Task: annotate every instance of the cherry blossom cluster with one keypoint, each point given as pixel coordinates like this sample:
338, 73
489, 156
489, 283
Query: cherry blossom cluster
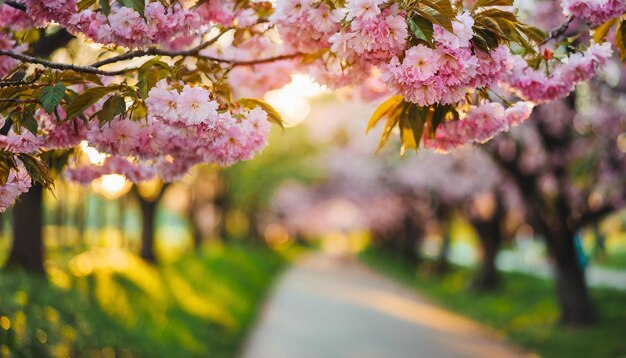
445, 74
7, 64
256, 80
480, 124
135, 172
17, 19
538, 86
373, 36
183, 128
17, 184
50, 135
125, 26
595, 12
225, 12
305, 25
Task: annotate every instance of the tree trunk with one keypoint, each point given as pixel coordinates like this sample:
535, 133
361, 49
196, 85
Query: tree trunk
196, 233
27, 250
488, 277
148, 210
409, 239
599, 249
222, 205
573, 295
442, 265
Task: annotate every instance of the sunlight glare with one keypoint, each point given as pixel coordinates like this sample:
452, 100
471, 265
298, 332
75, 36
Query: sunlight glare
111, 186
92, 153
292, 99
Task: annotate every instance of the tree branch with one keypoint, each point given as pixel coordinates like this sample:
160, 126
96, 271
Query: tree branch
14, 83
258, 62
558, 32
15, 5
155, 52
593, 216
18, 100
62, 66
94, 68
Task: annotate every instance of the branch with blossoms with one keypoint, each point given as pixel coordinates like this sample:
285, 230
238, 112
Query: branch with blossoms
456, 75
94, 68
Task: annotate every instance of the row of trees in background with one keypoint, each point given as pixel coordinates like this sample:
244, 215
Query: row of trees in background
556, 178
212, 197
27, 217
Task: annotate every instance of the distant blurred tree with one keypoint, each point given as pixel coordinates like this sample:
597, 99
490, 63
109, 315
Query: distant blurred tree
149, 198
486, 214
27, 250
570, 177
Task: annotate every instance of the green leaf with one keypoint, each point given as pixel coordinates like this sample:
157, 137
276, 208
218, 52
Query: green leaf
37, 169
444, 7
83, 4
7, 163
620, 40
272, 113
137, 5
485, 39
29, 122
412, 122
438, 116
421, 28
437, 18
393, 119
485, 3
105, 6
72, 78
113, 106
384, 110
601, 31
51, 96
86, 99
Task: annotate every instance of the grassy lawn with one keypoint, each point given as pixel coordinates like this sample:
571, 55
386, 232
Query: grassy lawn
110, 303
524, 309
613, 260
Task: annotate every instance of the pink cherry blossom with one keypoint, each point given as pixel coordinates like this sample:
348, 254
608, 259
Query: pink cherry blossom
595, 12
18, 183
536, 86
194, 105
364, 9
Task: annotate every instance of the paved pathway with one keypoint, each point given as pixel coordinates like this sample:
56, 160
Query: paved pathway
327, 308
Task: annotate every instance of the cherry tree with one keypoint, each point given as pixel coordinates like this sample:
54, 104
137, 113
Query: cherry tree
570, 177
161, 91
158, 100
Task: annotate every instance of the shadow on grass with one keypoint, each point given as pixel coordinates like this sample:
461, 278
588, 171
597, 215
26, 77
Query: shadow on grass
110, 302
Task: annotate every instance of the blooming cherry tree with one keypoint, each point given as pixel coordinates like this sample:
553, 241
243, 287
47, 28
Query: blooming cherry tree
165, 91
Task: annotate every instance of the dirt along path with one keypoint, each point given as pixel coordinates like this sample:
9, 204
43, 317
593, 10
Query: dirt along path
326, 308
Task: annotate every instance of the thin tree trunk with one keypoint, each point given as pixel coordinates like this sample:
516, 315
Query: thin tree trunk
442, 265
599, 250
222, 204
27, 250
196, 231
488, 277
576, 305
148, 209
406, 243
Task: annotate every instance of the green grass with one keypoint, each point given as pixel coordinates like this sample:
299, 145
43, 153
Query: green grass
109, 302
524, 309
613, 260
